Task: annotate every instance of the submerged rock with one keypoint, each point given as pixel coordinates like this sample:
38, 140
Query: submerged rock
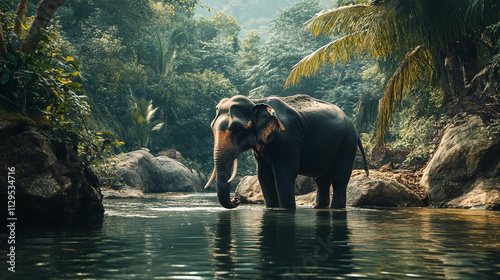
140, 170
465, 170
51, 184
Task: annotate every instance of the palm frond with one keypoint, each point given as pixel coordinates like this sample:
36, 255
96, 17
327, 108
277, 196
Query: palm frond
416, 67
151, 112
341, 50
161, 57
344, 20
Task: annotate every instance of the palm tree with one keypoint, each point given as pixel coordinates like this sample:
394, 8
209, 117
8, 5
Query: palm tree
142, 114
437, 42
44, 12
167, 55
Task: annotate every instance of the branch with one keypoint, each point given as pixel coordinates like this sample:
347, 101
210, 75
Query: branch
3, 47
44, 13
21, 13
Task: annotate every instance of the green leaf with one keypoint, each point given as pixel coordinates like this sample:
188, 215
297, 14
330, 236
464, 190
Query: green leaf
106, 132
5, 77
26, 74
72, 85
70, 60
44, 66
12, 58
117, 143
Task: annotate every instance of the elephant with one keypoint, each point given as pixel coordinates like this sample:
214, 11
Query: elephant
289, 136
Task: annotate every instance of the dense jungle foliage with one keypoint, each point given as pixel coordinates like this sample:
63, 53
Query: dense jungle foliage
113, 76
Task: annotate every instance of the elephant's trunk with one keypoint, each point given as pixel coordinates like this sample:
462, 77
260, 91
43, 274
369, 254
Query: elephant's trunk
222, 170
224, 153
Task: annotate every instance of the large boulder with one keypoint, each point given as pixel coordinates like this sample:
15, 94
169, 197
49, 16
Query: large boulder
50, 184
248, 190
140, 170
180, 178
465, 169
377, 190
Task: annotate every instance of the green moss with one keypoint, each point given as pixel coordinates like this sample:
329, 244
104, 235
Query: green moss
15, 120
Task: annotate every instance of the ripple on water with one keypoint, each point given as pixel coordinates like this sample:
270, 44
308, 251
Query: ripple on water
192, 237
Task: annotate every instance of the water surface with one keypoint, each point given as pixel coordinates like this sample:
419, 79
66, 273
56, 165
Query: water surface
192, 237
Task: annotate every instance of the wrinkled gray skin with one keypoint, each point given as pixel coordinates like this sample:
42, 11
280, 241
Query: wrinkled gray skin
289, 136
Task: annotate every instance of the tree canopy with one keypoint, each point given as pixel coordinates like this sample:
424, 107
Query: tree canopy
436, 43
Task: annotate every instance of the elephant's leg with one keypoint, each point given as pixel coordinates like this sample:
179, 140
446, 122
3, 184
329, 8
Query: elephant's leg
339, 182
285, 185
323, 192
341, 172
267, 183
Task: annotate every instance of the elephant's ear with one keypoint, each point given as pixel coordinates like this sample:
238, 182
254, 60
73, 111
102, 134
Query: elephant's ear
265, 122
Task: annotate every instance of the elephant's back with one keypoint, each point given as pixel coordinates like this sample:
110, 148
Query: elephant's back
304, 103
301, 102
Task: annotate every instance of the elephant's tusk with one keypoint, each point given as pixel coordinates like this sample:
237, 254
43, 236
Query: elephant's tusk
235, 170
212, 177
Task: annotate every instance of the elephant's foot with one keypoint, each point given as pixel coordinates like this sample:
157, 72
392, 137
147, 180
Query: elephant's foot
338, 202
321, 206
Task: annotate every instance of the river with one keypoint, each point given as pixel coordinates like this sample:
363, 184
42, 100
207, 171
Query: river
192, 237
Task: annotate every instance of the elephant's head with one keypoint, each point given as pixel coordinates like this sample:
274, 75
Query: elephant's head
239, 125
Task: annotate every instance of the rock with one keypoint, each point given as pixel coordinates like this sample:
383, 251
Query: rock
304, 185
379, 190
464, 172
376, 190
125, 192
306, 199
179, 178
380, 158
171, 154
248, 190
140, 170
51, 184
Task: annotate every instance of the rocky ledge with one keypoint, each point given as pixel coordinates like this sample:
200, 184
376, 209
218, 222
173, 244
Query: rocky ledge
465, 170
47, 182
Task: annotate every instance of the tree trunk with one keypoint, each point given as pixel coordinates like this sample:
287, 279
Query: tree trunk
21, 13
468, 56
443, 81
45, 10
454, 71
3, 47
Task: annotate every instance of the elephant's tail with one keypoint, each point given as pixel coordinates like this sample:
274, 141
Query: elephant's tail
360, 145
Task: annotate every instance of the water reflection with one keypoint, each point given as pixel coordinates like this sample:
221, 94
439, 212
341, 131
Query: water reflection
224, 247
165, 239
